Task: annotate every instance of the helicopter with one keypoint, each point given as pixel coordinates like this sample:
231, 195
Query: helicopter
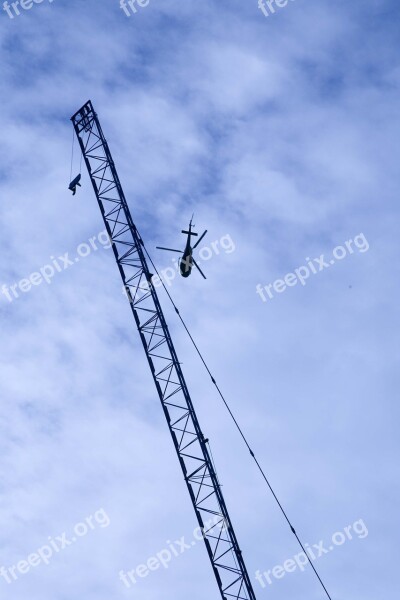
187, 261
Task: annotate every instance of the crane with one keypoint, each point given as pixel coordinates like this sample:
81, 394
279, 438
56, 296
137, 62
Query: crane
190, 444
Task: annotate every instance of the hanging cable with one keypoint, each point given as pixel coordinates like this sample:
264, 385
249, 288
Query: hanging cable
238, 426
72, 154
72, 157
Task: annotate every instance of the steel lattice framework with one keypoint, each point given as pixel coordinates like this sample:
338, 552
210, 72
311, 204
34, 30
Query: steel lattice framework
190, 444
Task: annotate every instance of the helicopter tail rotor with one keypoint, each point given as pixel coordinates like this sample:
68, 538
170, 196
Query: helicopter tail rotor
190, 232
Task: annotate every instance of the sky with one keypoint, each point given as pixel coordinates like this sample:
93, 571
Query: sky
279, 131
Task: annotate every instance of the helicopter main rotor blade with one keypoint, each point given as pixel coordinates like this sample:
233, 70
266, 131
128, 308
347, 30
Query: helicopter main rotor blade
199, 240
169, 249
196, 265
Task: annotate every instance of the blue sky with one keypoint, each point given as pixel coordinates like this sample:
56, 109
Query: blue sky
281, 132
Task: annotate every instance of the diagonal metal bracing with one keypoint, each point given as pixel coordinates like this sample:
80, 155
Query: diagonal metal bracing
191, 447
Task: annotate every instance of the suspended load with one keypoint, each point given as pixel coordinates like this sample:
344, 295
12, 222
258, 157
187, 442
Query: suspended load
74, 183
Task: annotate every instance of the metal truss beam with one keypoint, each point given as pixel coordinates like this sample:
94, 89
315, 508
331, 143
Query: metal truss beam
190, 445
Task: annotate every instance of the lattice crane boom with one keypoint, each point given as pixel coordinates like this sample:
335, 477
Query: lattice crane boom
191, 446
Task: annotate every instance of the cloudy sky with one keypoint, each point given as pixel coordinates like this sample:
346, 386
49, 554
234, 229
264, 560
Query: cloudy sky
281, 133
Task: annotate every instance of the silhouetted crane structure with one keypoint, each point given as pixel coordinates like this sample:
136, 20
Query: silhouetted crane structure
190, 444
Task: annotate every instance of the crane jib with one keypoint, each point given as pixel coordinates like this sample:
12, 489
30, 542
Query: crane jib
191, 446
